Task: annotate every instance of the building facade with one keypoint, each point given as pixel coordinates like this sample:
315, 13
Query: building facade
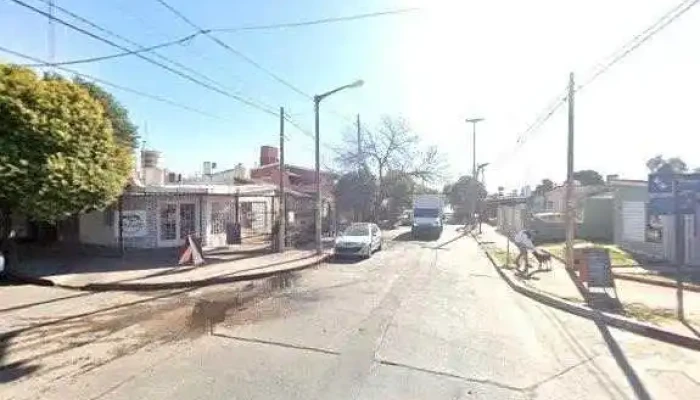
156, 217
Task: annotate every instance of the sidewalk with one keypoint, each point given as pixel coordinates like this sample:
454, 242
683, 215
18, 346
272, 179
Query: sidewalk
159, 270
648, 303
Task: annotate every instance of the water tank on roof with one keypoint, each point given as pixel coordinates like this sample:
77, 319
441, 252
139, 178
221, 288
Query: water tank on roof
150, 158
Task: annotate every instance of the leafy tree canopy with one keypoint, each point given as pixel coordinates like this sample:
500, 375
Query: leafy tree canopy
58, 154
660, 165
124, 130
464, 195
544, 187
588, 177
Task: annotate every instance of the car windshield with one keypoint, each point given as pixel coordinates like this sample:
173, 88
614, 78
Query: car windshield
357, 230
426, 213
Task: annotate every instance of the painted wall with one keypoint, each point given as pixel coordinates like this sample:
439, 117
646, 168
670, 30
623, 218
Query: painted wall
634, 241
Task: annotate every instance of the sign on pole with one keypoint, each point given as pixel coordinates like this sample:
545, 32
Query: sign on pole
661, 194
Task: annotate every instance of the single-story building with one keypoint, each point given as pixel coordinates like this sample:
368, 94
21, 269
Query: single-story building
639, 232
163, 216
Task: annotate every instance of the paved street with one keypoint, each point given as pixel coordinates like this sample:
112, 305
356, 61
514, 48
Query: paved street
419, 320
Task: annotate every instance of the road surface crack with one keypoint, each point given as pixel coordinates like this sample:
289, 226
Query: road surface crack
454, 376
278, 344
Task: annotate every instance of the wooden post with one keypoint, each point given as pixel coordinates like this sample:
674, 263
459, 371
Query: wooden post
570, 180
679, 250
282, 206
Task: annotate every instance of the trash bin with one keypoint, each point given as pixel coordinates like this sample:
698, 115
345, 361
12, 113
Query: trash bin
233, 233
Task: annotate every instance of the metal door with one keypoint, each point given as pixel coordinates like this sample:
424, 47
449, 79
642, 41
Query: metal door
175, 222
167, 225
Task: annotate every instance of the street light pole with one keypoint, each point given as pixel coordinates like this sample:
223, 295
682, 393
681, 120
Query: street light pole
474, 121
481, 167
317, 102
475, 173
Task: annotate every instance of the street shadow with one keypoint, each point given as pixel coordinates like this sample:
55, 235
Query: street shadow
47, 337
344, 260
39, 303
690, 327
408, 237
15, 370
632, 378
40, 271
536, 271
454, 239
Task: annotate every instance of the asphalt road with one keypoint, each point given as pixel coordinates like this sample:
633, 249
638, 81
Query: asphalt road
419, 320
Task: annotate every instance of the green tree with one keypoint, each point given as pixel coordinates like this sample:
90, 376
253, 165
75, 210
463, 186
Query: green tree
544, 187
661, 165
464, 196
58, 154
588, 177
124, 130
354, 193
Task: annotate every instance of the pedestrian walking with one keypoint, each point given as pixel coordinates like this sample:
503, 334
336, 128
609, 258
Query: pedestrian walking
523, 240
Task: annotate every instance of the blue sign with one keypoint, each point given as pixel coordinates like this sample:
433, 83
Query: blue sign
690, 182
661, 183
665, 205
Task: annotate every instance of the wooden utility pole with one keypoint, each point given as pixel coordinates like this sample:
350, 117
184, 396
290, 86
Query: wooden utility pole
283, 197
679, 249
360, 159
569, 216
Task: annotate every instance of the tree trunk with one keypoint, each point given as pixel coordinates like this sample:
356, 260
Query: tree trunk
7, 244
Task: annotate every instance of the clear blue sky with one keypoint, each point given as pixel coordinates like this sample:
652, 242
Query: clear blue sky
455, 59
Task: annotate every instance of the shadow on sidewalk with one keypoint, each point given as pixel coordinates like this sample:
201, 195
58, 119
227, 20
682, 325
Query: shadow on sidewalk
632, 378
690, 327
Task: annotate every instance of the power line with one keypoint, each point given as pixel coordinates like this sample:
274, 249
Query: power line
236, 97
118, 55
131, 42
641, 38
164, 100
114, 85
317, 21
234, 51
616, 57
543, 116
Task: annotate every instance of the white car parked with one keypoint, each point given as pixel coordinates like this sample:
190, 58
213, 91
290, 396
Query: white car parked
359, 239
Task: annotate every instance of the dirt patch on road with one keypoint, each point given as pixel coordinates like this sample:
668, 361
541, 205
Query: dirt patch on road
63, 348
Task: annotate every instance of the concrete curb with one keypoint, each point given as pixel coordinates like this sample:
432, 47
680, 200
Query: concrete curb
640, 279
616, 321
648, 281
145, 287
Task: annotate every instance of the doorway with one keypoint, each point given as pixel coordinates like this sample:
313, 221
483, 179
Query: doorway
175, 222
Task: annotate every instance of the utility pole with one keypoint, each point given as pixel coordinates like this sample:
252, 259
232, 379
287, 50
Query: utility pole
317, 214
51, 35
283, 197
360, 159
679, 250
570, 179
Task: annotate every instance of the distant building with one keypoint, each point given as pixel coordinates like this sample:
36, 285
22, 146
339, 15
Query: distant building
301, 180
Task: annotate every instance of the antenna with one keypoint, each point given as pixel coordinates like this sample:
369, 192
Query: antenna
145, 135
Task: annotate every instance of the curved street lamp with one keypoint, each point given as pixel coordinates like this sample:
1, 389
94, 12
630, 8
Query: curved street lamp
317, 101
